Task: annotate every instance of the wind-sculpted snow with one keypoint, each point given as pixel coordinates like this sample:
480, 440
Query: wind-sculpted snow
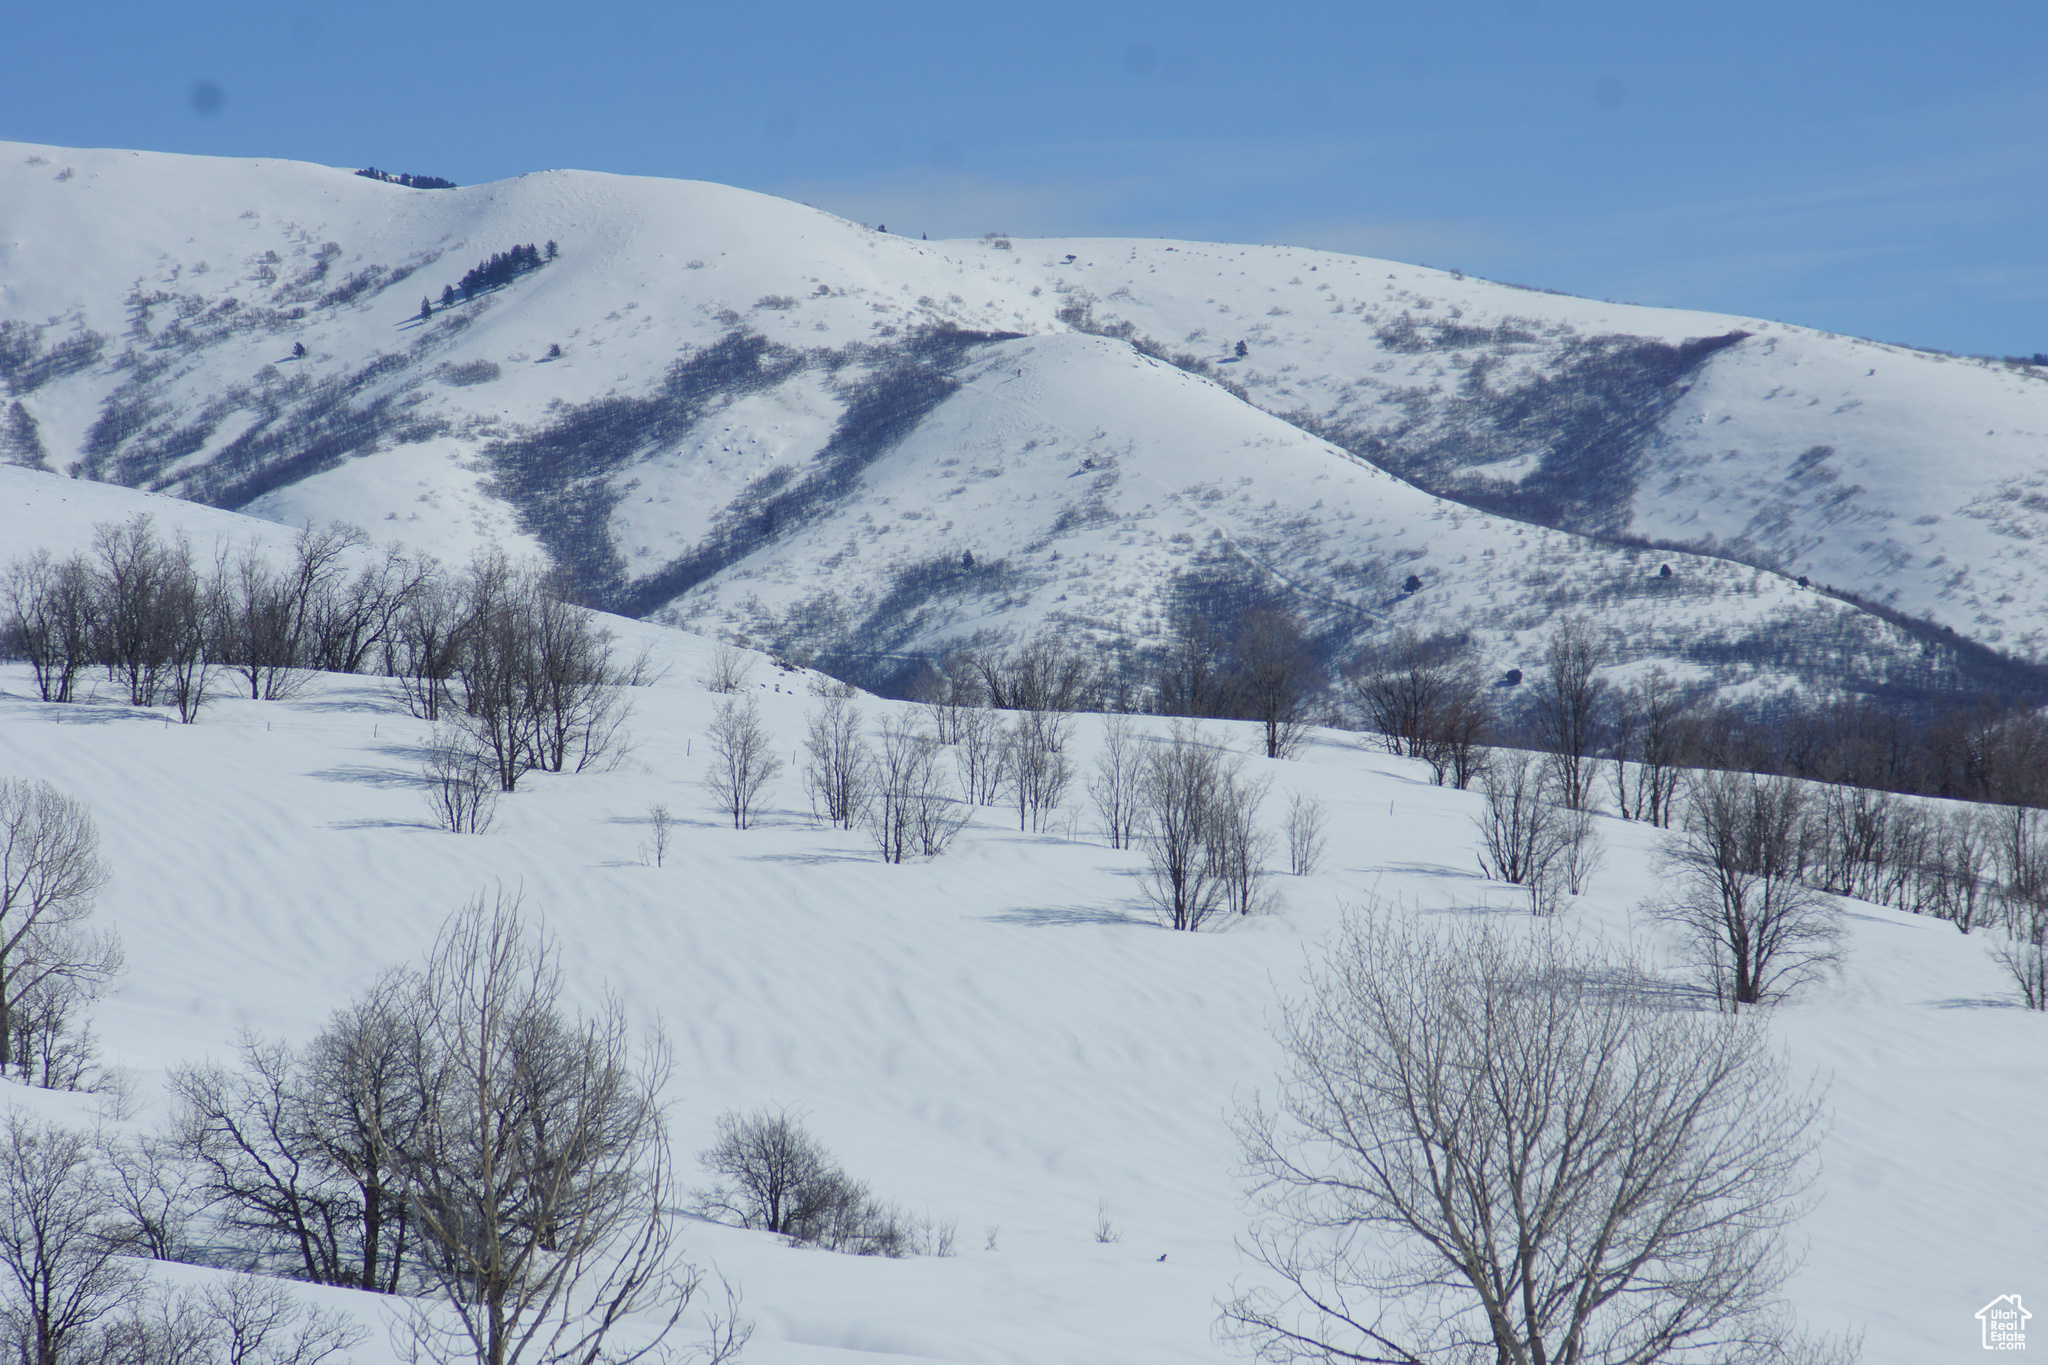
1002, 1036
721, 408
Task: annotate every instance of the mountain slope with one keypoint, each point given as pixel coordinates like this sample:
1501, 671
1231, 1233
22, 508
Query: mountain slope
720, 407
1000, 1037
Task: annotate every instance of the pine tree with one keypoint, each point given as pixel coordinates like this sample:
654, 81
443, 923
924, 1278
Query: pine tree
426, 309
551, 250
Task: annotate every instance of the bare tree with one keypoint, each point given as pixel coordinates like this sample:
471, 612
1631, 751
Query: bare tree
982, 756
68, 1282
51, 1040
190, 617
778, 1178
770, 1169
1581, 850
1193, 678
1568, 705
1650, 737
1046, 674
909, 813
1491, 1149
154, 1193
743, 760
1519, 831
1424, 699
839, 771
1277, 681
660, 826
48, 614
424, 649
1178, 798
1038, 768
1956, 875
50, 878
244, 1131
538, 1173
132, 569
1737, 860
729, 670
1119, 767
1305, 821
947, 691
1234, 841
460, 779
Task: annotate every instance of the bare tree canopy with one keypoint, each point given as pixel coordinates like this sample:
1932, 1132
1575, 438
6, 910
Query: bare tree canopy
50, 878
1739, 859
1424, 699
538, 1174
743, 760
1501, 1150
1569, 701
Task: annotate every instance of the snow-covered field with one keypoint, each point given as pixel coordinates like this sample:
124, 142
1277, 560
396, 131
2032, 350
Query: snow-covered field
1001, 1037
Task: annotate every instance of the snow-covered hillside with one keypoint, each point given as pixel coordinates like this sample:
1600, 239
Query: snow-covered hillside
725, 409
1001, 1036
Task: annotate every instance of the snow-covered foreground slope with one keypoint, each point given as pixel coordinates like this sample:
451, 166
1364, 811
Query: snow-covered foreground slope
755, 415
1001, 1036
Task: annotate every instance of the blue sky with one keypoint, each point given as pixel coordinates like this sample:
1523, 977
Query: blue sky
1879, 169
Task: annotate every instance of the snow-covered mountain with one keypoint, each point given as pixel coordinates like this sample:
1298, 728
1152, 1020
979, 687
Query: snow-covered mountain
730, 411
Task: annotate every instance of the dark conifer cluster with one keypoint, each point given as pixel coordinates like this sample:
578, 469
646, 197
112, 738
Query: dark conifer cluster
502, 268
411, 182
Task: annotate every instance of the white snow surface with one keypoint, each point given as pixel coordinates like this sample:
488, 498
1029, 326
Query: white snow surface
1000, 1036
200, 273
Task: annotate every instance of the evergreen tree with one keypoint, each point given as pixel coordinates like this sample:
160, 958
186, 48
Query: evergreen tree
551, 250
426, 309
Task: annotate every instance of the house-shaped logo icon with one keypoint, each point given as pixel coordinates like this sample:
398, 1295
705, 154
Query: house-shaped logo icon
2005, 1323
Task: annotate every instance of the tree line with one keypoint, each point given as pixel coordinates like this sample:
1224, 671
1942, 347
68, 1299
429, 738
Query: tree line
411, 182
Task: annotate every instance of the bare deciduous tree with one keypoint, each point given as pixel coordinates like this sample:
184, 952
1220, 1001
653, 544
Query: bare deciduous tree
1490, 1149
982, 756
50, 614
909, 812
537, 1175
1305, 821
660, 826
68, 1282
1038, 768
1520, 831
1738, 858
1568, 704
50, 879
778, 1178
1650, 737
1119, 767
154, 1193
1234, 841
743, 760
1277, 681
947, 691
839, 771
460, 779
1045, 674
729, 670
1424, 699
1203, 846
1192, 677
